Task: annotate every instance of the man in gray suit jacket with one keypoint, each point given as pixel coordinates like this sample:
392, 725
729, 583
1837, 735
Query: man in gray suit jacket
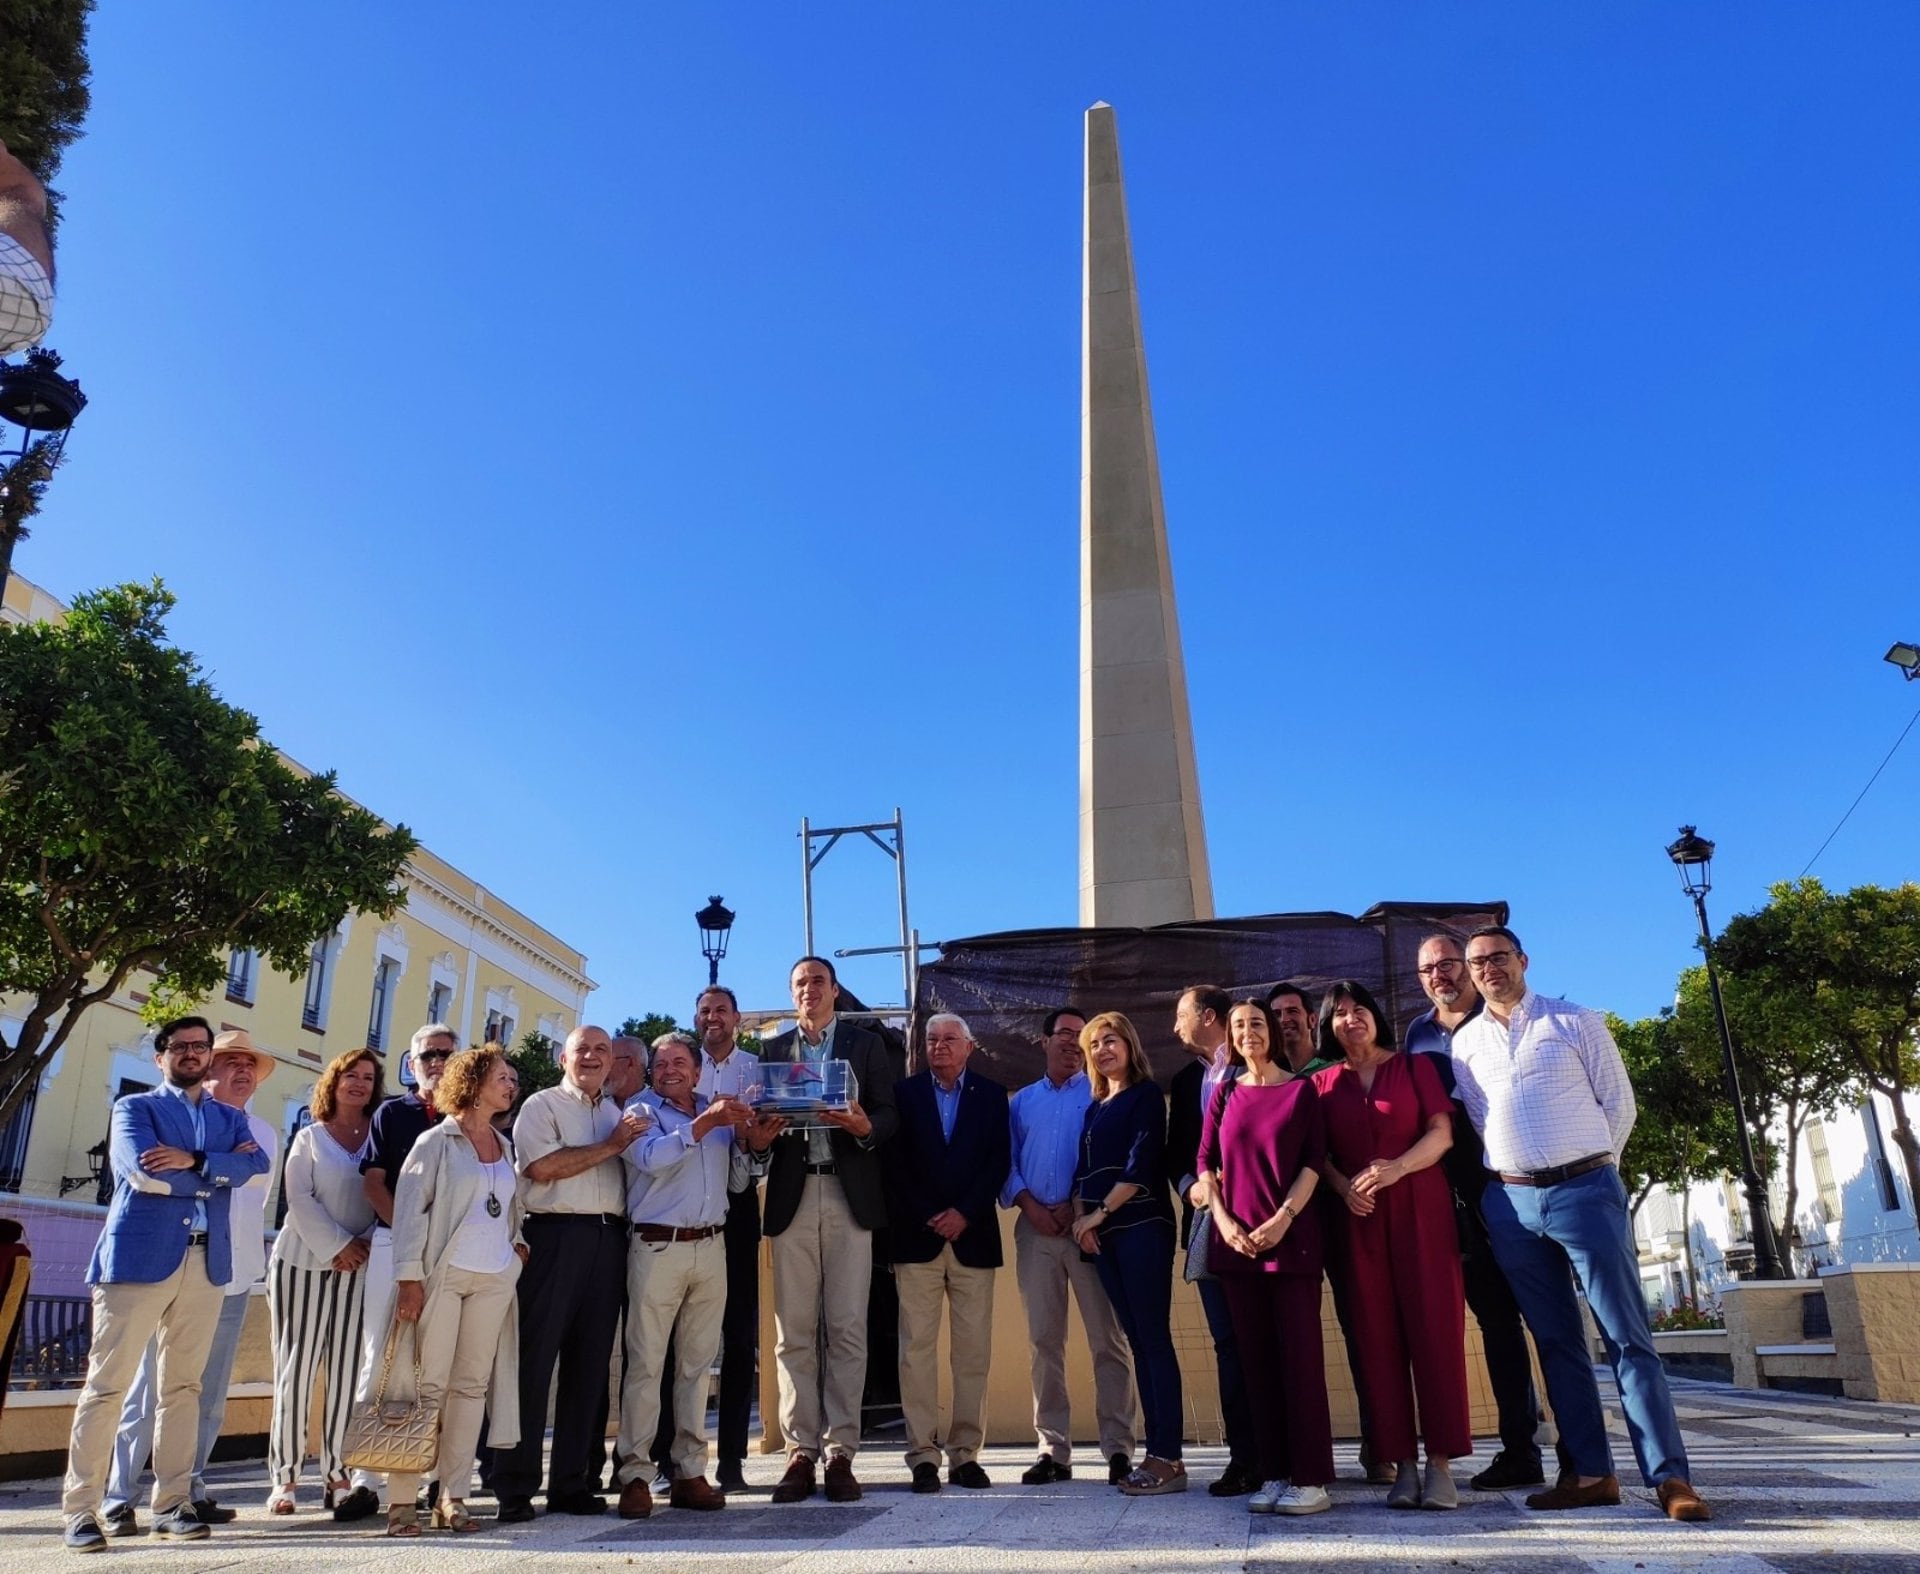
824, 1201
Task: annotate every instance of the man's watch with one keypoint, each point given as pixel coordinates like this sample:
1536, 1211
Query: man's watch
200, 1162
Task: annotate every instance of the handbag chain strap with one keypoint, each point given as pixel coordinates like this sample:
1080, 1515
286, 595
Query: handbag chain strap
386, 1365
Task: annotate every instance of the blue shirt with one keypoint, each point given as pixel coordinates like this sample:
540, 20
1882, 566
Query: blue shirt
819, 1138
671, 1179
948, 1104
199, 1138
1044, 1122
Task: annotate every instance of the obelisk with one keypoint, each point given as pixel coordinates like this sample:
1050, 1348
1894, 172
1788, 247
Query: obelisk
1143, 844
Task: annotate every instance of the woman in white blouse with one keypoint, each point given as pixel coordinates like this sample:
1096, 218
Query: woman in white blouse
457, 1253
315, 1287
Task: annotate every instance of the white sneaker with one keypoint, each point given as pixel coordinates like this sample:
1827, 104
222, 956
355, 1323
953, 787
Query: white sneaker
1262, 1501
1302, 1500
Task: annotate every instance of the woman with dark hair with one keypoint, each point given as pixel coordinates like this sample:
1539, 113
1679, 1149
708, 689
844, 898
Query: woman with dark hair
457, 1255
1124, 1222
1388, 1122
1261, 1149
316, 1287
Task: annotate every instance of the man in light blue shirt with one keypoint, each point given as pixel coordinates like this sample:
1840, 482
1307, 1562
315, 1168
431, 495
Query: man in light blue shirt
679, 1174
1044, 1120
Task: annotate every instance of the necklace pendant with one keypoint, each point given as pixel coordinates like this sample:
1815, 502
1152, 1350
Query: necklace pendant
493, 1206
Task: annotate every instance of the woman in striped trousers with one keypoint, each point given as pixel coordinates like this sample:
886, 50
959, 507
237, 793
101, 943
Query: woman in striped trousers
316, 1287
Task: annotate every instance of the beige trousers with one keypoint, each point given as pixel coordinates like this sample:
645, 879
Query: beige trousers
457, 1348
182, 1311
676, 1290
822, 1277
1046, 1267
924, 1289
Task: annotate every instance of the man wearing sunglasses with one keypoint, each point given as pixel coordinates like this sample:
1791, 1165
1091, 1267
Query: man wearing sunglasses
1544, 1083
1442, 967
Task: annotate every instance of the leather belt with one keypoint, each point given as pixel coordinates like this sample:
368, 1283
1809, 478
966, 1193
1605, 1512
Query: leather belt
673, 1232
823, 1169
1559, 1173
613, 1221
197, 1238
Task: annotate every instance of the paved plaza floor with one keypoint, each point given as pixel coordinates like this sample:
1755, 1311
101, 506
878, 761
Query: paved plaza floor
1798, 1484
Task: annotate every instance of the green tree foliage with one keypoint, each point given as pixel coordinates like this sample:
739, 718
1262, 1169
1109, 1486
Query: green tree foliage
1845, 968
1791, 1071
537, 1060
145, 823
44, 92
648, 1027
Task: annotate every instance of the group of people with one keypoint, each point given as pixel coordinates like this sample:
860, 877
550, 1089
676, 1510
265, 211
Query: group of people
606, 1249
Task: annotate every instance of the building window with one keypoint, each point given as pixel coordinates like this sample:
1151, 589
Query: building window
13, 1142
313, 1011
380, 1014
1823, 1182
1877, 1156
499, 1029
1737, 1226
439, 1002
242, 970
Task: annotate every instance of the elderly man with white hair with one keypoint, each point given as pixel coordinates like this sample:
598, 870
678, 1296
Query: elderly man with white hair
946, 1167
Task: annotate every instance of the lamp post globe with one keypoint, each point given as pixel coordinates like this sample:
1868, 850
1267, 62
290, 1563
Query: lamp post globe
716, 924
1692, 855
38, 407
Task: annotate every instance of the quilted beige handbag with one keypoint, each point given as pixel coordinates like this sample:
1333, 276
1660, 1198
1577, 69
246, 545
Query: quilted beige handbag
403, 1438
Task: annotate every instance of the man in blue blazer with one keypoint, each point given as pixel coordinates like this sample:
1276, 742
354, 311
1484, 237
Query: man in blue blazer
158, 1269
946, 1166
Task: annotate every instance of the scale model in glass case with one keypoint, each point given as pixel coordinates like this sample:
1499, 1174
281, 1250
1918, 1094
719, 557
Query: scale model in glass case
802, 1090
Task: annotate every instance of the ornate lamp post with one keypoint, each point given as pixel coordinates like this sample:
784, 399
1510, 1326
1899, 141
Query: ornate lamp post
42, 405
1692, 855
716, 924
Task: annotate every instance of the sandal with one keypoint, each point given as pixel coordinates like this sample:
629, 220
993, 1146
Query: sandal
451, 1514
281, 1499
1154, 1477
403, 1519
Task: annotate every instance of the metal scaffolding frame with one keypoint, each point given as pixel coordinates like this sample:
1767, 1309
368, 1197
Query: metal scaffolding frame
879, 832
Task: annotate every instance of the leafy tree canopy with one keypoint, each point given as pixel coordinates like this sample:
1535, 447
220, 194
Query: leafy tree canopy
1684, 1130
537, 1061
44, 92
145, 823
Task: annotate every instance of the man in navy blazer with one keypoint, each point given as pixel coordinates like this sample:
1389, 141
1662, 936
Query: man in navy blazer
946, 1166
158, 1268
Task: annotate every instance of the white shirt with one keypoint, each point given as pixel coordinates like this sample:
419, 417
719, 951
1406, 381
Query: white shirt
729, 1078
1545, 1088
327, 1205
247, 1213
484, 1241
564, 1117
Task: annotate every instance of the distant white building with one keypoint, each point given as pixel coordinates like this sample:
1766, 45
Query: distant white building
1853, 1205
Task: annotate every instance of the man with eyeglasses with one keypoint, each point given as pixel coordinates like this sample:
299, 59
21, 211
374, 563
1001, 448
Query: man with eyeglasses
158, 1269
1543, 1082
397, 1125
1442, 967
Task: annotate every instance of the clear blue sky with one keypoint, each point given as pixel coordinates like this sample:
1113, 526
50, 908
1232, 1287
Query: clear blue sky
608, 433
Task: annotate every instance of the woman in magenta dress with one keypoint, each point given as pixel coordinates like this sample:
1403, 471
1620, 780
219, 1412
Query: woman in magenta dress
1262, 1143
1388, 1121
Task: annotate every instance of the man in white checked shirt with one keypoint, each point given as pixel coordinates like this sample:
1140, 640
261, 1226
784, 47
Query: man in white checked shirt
26, 257
1543, 1082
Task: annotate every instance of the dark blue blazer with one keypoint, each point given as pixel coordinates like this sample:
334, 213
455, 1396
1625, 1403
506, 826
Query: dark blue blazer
151, 1216
927, 1174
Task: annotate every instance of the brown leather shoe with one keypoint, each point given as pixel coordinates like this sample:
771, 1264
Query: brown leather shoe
636, 1501
841, 1487
796, 1486
1568, 1493
695, 1492
1680, 1501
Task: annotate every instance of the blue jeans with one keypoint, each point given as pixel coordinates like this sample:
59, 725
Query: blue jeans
1537, 1233
135, 1442
1136, 1269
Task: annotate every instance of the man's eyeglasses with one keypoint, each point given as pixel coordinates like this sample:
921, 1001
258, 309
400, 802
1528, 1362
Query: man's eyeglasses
188, 1046
425, 1055
1444, 969
1492, 959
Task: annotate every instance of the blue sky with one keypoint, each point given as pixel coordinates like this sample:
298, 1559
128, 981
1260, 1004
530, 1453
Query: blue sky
608, 433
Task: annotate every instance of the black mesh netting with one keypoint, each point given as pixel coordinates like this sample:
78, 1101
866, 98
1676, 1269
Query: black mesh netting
1004, 984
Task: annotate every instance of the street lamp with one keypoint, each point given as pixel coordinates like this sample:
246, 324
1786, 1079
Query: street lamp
1692, 855
43, 405
1907, 658
716, 923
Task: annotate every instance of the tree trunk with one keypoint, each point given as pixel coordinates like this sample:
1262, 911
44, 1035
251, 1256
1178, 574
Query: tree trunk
1686, 1244
1784, 1235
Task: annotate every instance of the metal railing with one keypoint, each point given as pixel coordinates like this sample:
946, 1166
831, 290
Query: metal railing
56, 1332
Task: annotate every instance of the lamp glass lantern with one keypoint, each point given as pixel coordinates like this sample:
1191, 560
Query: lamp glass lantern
1907, 658
716, 925
40, 402
1692, 855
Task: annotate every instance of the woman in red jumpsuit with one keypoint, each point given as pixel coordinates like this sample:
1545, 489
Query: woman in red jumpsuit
1388, 1121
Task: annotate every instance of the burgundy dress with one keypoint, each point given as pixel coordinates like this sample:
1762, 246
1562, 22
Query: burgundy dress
1256, 1147
1402, 1261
